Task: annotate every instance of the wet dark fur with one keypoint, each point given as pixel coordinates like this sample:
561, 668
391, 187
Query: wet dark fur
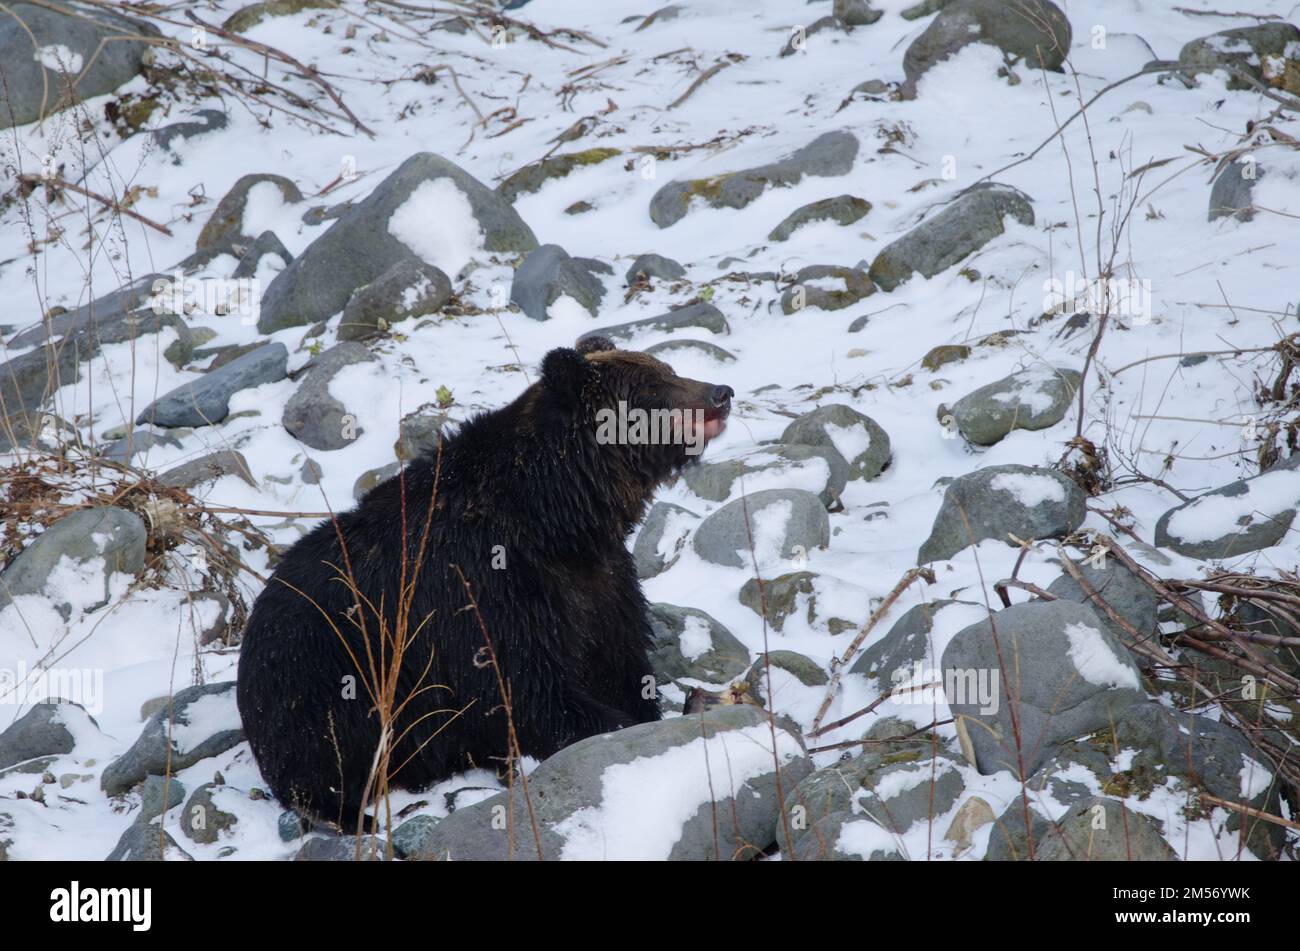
566, 614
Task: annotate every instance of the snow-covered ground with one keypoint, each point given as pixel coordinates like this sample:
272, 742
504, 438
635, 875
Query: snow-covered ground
1226, 287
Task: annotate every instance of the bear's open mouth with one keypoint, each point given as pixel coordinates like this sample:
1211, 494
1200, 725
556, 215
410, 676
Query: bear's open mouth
714, 421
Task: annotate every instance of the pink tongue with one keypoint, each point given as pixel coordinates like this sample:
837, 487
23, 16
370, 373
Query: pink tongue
712, 427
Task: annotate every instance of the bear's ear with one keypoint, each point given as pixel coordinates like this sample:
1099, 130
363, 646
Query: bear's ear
594, 344
565, 373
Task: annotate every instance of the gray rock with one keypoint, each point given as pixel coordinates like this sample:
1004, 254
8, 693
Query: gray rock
310, 473
150, 756
653, 265
341, 848
970, 221
532, 177
209, 468
1248, 49
204, 121
1038, 33
1049, 665
410, 839
42, 732
830, 154
702, 315
206, 400
787, 595
891, 658
373, 477
547, 274
990, 503
106, 50
724, 537
291, 826
358, 247
410, 288
817, 469
420, 431
30, 379
582, 810
843, 209
201, 820
826, 24
144, 840
888, 787
1115, 584
923, 9
113, 534
1242, 516
690, 643
804, 293
803, 669
668, 348
1060, 776
268, 242
1031, 399
849, 433
1095, 829
312, 415
666, 527
223, 232
111, 318
856, 12
1207, 755
1231, 192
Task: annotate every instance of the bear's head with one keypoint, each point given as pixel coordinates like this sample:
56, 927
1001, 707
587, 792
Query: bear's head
638, 412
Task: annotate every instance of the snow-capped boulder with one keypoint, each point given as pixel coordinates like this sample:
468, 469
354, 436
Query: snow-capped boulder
1000, 501
1052, 666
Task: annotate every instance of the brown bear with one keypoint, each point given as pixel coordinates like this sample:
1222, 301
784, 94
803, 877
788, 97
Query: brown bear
502, 554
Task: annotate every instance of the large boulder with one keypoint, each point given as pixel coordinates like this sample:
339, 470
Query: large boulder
1032, 676
774, 524
702, 787
690, 643
546, 275
314, 416
1000, 501
970, 221
429, 209
819, 469
1242, 516
1035, 31
199, 722
856, 437
1031, 399
206, 401
1266, 52
59, 53
112, 536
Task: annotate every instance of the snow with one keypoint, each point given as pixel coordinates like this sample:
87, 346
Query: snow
59, 58
768, 527
437, 222
1255, 778
645, 803
207, 716
849, 441
695, 640
1095, 660
1029, 490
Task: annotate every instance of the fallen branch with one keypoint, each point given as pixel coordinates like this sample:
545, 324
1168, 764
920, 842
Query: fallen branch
110, 203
